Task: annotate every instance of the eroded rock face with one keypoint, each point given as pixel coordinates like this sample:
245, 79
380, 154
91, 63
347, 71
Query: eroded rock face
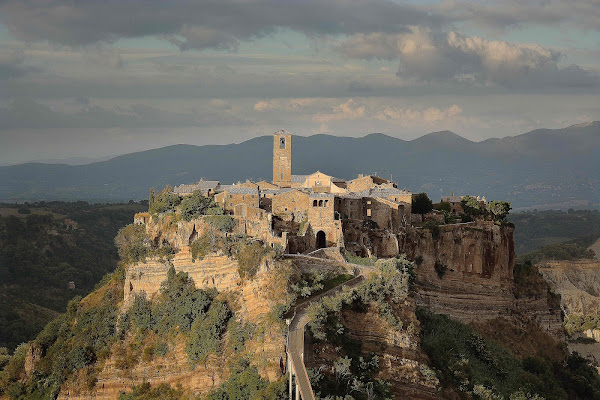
463, 270
577, 282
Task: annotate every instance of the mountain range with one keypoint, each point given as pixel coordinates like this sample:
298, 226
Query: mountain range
544, 168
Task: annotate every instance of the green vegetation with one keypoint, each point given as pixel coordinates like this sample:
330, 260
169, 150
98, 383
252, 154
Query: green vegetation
182, 307
72, 343
535, 229
249, 257
133, 243
421, 204
248, 252
197, 204
246, 383
558, 251
468, 363
577, 323
45, 249
353, 371
165, 201
368, 261
498, 209
159, 392
318, 281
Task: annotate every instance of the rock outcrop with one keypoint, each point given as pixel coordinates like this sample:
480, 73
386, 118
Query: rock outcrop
577, 282
466, 271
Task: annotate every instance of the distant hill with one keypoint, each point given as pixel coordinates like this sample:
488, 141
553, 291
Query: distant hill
544, 168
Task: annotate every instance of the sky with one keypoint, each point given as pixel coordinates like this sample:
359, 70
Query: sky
97, 78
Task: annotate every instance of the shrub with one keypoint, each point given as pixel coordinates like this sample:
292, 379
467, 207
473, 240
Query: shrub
162, 348
180, 303
205, 335
249, 257
223, 223
197, 204
440, 269
434, 228
245, 382
140, 314
145, 391
165, 201
133, 243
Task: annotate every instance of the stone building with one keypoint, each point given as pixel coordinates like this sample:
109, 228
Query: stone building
302, 213
282, 159
208, 188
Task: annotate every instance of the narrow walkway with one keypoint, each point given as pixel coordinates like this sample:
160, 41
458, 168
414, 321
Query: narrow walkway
295, 347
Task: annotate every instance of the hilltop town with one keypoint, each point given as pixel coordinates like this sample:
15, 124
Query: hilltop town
303, 213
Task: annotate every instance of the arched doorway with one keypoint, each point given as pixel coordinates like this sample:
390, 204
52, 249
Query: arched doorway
321, 240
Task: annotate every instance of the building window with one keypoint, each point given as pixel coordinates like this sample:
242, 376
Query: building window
326, 201
368, 201
282, 176
320, 203
282, 143
368, 212
314, 203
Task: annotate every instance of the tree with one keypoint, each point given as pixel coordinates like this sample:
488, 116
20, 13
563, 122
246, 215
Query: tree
197, 204
472, 206
443, 206
165, 201
499, 209
421, 204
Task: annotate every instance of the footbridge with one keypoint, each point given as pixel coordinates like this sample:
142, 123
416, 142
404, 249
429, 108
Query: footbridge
298, 319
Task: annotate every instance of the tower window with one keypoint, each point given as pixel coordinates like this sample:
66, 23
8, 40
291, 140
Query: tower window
282, 176
282, 143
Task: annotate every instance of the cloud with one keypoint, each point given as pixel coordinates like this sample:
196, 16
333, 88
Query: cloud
12, 64
101, 55
220, 104
501, 14
294, 105
25, 113
262, 106
201, 25
354, 110
432, 56
428, 116
348, 110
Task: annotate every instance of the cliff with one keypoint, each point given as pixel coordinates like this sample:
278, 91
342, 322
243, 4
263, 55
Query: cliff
467, 272
577, 282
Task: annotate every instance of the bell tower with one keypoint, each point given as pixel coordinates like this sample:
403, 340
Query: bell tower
282, 158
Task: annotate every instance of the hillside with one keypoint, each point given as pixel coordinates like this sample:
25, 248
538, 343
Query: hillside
540, 169
198, 311
534, 230
44, 248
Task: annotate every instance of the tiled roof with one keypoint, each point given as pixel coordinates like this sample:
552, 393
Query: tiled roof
383, 192
321, 195
298, 178
240, 190
452, 199
200, 185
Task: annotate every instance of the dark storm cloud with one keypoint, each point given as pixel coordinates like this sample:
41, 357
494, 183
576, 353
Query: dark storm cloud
218, 24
